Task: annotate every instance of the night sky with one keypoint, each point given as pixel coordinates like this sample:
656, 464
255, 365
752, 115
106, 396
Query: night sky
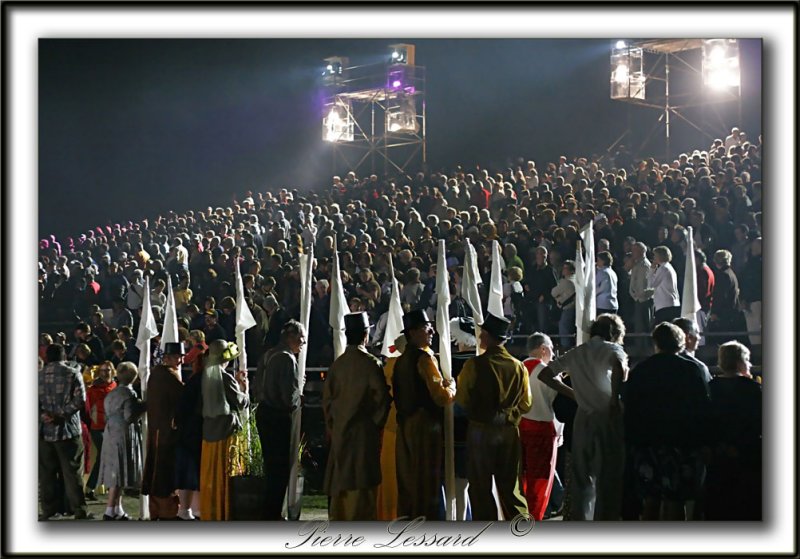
132, 128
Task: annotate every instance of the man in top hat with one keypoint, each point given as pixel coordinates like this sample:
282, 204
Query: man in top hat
164, 390
420, 394
494, 391
355, 401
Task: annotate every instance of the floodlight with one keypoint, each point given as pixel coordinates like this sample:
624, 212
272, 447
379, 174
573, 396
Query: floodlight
627, 78
721, 64
338, 125
402, 53
334, 71
401, 116
621, 44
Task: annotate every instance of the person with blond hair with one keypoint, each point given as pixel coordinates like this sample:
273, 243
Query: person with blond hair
662, 284
733, 483
96, 394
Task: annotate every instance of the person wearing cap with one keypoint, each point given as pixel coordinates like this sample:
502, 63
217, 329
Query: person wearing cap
597, 370
212, 329
223, 397
420, 394
355, 401
164, 391
277, 390
494, 391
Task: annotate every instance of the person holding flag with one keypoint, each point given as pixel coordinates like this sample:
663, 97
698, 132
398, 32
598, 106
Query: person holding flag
355, 401
278, 393
394, 344
494, 392
420, 393
164, 390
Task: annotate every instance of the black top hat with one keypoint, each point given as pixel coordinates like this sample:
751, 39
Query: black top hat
415, 319
174, 348
496, 326
356, 322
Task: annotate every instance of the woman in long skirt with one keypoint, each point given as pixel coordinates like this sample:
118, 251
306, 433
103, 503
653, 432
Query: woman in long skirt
121, 455
224, 396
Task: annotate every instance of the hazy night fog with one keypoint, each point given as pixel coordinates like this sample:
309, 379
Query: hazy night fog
132, 128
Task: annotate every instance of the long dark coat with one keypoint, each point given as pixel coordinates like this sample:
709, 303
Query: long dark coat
164, 389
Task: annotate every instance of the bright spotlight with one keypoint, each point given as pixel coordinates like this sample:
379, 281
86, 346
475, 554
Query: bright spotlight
621, 44
396, 83
395, 55
337, 125
627, 78
621, 74
721, 64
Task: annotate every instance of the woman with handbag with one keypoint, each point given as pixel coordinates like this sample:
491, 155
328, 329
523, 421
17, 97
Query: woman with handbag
223, 397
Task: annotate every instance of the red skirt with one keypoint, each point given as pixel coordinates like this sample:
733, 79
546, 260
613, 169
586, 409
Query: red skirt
538, 463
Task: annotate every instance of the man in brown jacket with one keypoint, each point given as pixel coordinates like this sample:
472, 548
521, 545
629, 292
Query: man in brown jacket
355, 400
164, 389
494, 391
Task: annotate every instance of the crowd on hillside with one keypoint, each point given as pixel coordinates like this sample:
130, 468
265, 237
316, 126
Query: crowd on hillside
535, 213
640, 211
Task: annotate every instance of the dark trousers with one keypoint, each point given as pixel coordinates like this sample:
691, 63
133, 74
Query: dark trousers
667, 314
605, 311
64, 457
643, 323
97, 439
275, 432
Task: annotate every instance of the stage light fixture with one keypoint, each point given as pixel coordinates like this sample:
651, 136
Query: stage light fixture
401, 115
621, 44
334, 70
401, 53
721, 69
338, 125
627, 78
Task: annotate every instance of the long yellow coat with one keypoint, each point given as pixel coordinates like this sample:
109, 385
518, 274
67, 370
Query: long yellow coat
387, 491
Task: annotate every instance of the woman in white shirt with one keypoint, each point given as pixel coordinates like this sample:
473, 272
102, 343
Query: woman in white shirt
662, 282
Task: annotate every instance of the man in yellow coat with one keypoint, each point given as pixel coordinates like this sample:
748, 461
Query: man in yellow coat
493, 389
355, 401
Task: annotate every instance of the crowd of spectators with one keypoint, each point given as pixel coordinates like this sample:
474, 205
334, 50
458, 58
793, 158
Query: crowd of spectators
96, 279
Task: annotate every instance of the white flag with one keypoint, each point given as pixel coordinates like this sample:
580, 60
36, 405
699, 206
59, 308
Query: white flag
496, 283
339, 306
690, 304
293, 491
590, 307
445, 363
244, 318
148, 329
394, 322
589, 310
580, 290
169, 332
469, 290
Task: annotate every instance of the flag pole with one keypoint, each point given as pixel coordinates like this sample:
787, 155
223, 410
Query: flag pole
443, 328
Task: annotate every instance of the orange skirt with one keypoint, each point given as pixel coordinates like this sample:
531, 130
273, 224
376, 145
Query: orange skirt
214, 485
